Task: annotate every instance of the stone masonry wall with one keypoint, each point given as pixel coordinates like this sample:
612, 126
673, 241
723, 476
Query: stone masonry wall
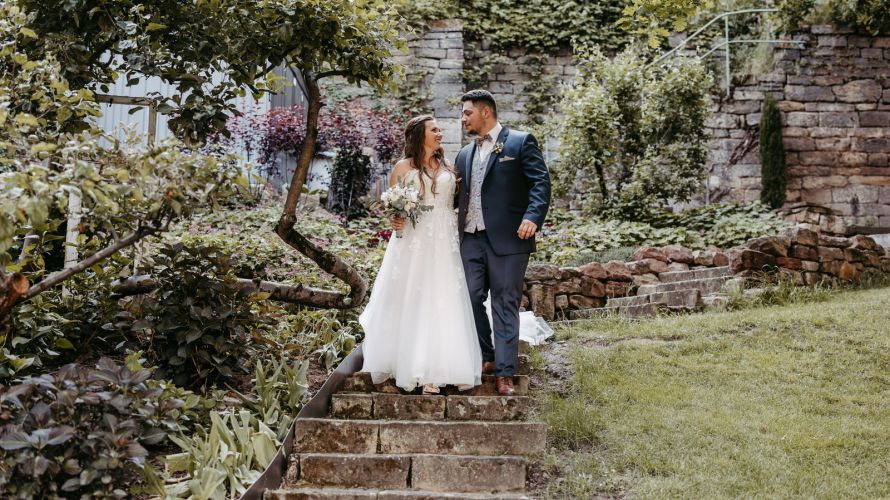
803, 256
438, 57
834, 95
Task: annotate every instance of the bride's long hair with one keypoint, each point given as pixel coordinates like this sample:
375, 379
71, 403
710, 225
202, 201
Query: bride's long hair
415, 132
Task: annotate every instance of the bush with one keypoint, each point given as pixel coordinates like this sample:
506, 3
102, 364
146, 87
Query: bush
634, 135
197, 324
82, 431
772, 156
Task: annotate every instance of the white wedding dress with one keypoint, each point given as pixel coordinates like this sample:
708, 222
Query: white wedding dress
418, 323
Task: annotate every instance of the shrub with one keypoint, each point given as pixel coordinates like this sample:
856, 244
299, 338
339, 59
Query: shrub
569, 242
197, 324
772, 156
634, 135
82, 431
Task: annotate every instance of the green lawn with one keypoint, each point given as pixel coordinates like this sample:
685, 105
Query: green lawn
768, 402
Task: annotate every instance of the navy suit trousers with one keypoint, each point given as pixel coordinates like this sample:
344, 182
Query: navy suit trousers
503, 275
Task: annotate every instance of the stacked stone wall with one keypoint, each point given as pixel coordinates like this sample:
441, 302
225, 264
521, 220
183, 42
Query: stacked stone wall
834, 94
803, 256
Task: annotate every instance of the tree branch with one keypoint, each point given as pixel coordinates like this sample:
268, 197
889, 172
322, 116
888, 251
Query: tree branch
97, 257
295, 294
335, 72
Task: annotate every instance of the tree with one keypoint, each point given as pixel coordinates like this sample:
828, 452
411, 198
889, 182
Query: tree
655, 19
90, 42
773, 175
636, 132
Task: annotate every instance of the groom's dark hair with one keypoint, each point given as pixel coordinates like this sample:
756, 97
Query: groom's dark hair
483, 96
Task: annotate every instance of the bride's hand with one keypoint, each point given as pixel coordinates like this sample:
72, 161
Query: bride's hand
398, 223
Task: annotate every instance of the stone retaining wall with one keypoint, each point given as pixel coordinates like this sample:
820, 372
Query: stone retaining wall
799, 254
834, 95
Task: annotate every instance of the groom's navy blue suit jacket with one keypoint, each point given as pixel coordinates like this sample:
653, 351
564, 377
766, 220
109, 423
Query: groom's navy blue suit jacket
516, 187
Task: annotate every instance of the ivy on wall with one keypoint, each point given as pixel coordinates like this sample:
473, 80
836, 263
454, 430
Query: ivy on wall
535, 25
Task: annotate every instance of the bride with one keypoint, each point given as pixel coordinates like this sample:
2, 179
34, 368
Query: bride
418, 324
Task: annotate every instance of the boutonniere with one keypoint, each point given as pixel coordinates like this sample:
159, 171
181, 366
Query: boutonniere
498, 147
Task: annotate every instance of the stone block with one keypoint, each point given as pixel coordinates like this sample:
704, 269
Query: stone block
467, 474
874, 119
675, 276
617, 271
826, 158
809, 265
561, 302
355, 471
358, 382
645, 279
838, 119
541, 300
875, 145
617, 288
352, 406
319, 435
591, 287
677, 266
817, 196
852, 159
463, 438
862, 242
827, 254
311, 493
638, 267
799, 144
584, 302
831, 41
542, 272
791, 263
833, 144
594, 270
679, 298
745, 259
833, 241
408, 407
567, 286
808, 93
650, 253
802, 119
431, 53
831, 267
772, 245
859, 91
677, 253
720, 259
854, 255
703, 257
487, 408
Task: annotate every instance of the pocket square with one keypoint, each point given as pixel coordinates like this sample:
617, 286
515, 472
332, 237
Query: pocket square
507, 158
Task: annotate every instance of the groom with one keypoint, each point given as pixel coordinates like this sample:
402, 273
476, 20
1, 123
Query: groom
504, 197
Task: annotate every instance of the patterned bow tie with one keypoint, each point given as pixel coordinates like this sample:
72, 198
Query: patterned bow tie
481, 140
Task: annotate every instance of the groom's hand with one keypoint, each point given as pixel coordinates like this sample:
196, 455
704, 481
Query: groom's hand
527, 229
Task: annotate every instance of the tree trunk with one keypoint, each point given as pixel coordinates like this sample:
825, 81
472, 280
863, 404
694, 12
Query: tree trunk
328, 261
12, 288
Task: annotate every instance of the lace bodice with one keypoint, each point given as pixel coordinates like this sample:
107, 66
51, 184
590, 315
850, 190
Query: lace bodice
445, 184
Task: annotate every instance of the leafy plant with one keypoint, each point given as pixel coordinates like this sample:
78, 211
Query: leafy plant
198, 323
633, 135
82, 431
224, 460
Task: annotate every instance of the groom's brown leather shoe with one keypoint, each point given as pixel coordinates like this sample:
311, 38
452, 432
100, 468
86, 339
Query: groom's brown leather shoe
505, 386
488, 367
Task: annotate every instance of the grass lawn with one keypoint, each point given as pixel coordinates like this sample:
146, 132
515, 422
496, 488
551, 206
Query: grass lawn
767, 402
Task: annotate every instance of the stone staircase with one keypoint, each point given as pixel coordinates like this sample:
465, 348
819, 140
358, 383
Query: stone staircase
379, 442
678, 291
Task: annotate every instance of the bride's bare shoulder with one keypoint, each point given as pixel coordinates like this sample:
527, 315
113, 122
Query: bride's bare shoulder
402, 167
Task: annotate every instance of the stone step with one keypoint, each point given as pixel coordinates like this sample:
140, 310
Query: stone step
695, 274
361, 382
441, 473
312, 493
596, 312
354, 471
706, 286
317, 435
363, 406
679, 298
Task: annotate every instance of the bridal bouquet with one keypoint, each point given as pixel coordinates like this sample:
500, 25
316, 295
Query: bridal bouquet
402, 200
